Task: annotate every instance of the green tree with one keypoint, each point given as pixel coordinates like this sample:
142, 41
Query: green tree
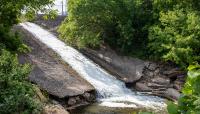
11, 10
16, 93
176, 37
123, 24
10, 13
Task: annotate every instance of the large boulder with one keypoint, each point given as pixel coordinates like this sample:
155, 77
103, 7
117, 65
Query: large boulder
124, 68
50, 73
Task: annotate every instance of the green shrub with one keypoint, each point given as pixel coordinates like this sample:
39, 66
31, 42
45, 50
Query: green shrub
123, 24
16, 93
163, 29
189, 102
11, 41
177, 37
10, 11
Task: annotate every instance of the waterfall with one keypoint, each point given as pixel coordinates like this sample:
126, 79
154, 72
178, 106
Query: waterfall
111, 92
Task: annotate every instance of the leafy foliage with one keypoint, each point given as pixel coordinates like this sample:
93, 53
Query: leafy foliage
164, 29
11, 41
16, 93
189, 103
119, 23
10, 11
145, 113
176, 37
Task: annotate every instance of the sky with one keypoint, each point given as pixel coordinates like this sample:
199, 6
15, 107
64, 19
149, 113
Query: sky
58, 6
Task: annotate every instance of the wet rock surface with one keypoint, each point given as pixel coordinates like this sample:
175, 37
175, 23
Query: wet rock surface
52, 75
161, 79
124, 68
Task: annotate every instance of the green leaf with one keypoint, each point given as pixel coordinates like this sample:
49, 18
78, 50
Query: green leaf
193, 73
145, 113
172, 108
192, 67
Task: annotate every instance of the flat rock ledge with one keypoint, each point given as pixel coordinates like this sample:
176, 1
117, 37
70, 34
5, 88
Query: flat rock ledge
124, 68
53, 75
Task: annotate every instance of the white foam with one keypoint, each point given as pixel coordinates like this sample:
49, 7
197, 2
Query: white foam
111, 92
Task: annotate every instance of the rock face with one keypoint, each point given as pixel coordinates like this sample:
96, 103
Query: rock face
145, 76
125, 68
54, 109
50, 73
162, 79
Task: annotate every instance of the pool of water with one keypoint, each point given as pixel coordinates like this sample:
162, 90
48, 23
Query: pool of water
97, 109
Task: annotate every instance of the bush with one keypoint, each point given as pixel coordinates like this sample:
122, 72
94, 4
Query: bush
12, 41
177, 37
119, 23
16, 93
9, 40
163, 29
189, 103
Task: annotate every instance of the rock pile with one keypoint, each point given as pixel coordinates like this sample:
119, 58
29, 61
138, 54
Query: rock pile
147, 77
161, 79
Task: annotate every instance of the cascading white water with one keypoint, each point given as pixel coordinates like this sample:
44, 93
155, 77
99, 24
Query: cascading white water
112, 92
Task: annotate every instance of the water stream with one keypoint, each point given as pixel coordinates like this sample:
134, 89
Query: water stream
111, 92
